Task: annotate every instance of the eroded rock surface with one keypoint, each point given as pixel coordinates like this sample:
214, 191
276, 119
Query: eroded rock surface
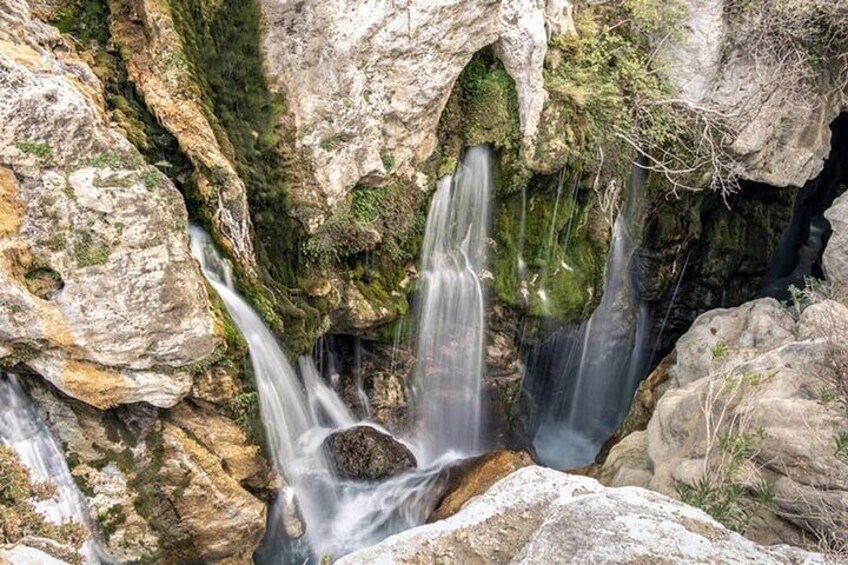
366, 82
756, 375
538, 515
364, 453
129, 312
157, 65
782, 135
163, 485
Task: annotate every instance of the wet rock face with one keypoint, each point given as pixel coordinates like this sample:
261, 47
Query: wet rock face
363, 453
538, 515
475, 476
366, 83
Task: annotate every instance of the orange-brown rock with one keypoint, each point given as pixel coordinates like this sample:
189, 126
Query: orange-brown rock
473, 477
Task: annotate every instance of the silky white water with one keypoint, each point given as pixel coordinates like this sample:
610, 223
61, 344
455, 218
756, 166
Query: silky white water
22, 429
450, 310
340, 516
595, 367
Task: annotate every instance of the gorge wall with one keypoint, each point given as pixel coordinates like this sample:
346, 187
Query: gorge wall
307, 138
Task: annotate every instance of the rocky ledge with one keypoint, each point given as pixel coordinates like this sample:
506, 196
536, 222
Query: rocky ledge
539, 515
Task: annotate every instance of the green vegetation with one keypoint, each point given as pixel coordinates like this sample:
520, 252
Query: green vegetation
720, 350
562, 260
86, 20
40, 150
732, 488
19, 518
482, 109
841, 441
722, 495
222, 49
88, 253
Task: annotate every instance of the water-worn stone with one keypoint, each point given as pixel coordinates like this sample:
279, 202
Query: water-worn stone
366, 83
166, 484
364, 453
475, 476
538, 515
78, 200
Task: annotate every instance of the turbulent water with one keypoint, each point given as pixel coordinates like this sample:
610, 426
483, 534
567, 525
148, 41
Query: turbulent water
300, 408
450, 328
583, 378
340, 516
23, 430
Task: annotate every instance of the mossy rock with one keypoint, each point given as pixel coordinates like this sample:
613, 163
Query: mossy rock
556, 270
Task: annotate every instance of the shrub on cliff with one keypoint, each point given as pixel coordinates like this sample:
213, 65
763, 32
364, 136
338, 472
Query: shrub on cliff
20, 522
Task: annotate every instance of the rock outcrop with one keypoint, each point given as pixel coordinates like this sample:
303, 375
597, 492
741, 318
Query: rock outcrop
538, 515
364, 453
157, 65
754, 398
170, 484
475, 476
366, 83
125, 312
748, 405
780, 122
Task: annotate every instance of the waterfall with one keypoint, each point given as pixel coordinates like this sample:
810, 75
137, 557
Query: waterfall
450, 328
22, 429
585, 376
340, 516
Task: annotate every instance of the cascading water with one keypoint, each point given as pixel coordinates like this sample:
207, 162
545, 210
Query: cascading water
340, 516
587, 374
22, 429
450, 311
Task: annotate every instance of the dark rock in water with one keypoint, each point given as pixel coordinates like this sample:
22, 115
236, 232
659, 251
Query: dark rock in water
363, 453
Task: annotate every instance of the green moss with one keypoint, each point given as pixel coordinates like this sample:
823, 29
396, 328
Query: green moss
86, 20
563, 264
88, 253
482, 109
40, 150
222, 49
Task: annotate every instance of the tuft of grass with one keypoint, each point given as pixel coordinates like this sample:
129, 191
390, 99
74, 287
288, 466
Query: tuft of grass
841, 441
40, 150
87, 253
720, 350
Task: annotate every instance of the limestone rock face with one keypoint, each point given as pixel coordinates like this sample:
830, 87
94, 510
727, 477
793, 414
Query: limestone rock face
755, 373
366, 82
147, 32
127, 307
538, 515
363, 453
836, 253
168, 483
781, 141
